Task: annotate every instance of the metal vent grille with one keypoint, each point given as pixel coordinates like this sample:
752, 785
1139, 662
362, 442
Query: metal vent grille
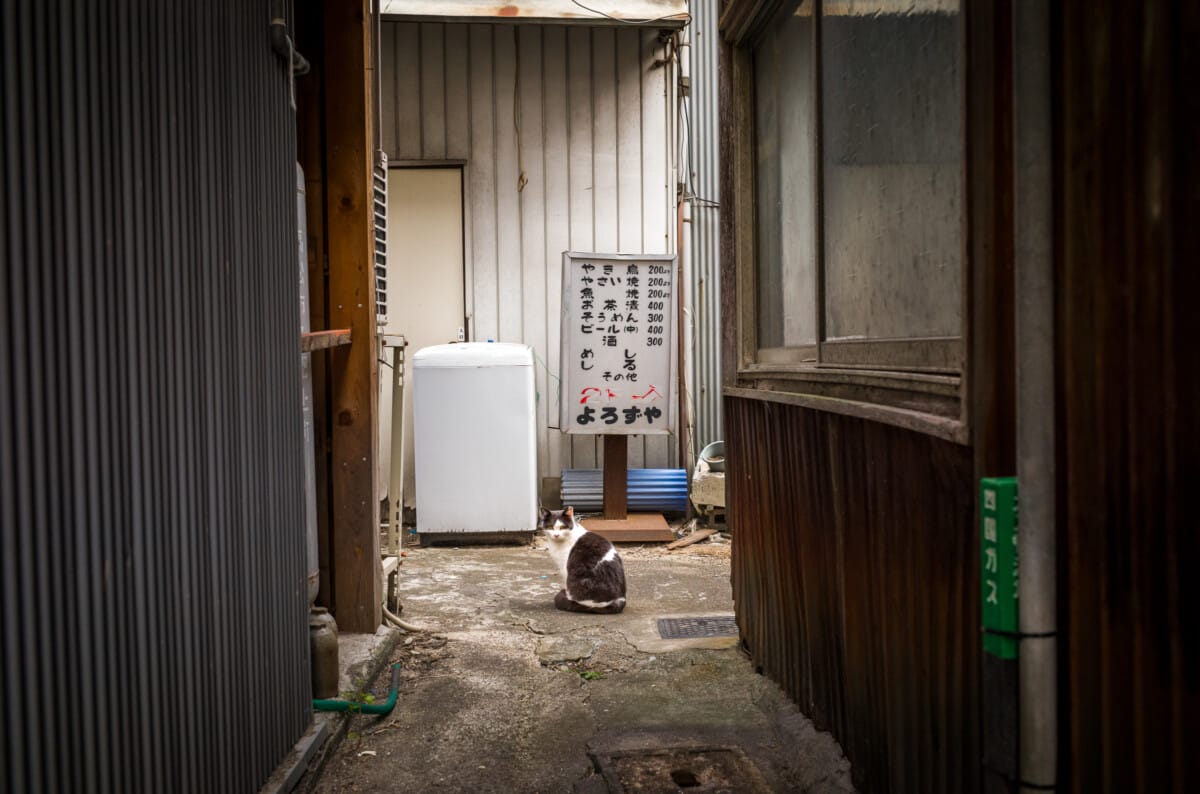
379, 201
692, 628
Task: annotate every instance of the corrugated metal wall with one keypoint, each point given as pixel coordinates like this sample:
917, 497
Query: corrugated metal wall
1129, 386
151, 490
702, 143
597, 120
855, 576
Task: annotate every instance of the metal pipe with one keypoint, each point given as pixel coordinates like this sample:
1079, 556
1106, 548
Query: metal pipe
366, 708
282, 43
1034, 282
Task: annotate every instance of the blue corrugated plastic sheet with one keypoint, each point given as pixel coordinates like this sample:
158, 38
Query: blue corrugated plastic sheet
647, 489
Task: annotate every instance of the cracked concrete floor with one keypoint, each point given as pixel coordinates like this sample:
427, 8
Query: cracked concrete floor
508, 694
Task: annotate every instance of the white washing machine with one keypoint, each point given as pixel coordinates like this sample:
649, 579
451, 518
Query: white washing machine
475, 441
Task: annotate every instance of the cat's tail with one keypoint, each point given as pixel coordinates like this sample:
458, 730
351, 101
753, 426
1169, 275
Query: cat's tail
609, 608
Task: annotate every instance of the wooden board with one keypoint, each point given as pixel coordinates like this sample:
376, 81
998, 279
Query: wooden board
637, 528
321, 340
695, 537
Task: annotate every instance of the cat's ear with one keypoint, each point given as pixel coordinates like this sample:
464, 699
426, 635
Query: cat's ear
543, 514
569, 512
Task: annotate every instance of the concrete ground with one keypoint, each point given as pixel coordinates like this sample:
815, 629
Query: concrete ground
507, 694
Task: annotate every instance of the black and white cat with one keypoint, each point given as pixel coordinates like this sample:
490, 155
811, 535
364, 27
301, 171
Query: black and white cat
593, 576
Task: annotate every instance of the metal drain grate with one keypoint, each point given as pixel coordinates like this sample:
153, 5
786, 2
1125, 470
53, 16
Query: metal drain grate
692, 628
676, 770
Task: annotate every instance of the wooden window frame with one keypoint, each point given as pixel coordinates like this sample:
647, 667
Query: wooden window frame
919, 383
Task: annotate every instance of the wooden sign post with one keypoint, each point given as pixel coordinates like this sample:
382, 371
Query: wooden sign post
616, 461
618, 368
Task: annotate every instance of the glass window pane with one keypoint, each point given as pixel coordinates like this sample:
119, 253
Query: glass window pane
892, 110
785, 156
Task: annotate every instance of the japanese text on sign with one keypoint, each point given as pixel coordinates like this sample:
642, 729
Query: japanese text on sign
617, 343
999, 565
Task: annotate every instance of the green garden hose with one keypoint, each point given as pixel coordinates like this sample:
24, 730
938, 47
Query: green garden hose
366, 708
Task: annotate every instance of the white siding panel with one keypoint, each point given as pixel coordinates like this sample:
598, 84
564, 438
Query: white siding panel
508, 211
604, 149
629, 168
408, 94
458, 133
481, 194
387, 89
532, 201
581, 165
595, 144
433, 92
558, 222
656, 188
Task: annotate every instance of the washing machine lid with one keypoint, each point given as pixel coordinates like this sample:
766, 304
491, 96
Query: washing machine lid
474, 354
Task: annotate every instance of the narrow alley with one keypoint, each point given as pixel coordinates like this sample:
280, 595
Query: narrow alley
322, 323
507, 694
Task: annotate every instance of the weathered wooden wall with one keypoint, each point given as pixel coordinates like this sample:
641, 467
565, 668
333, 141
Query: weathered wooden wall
1128, 277
855, 575
596, 113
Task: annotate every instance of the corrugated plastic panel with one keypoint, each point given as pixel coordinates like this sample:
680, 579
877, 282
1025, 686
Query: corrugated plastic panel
647, 489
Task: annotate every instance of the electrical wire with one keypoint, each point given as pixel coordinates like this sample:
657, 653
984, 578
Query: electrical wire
630, 21
692, 196
558, 392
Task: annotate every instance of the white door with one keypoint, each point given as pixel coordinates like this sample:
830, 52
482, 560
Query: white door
425, 283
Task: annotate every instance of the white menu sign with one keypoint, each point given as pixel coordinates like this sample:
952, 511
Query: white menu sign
618, 343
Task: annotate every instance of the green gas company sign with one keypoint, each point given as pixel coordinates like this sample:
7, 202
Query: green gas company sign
998, 557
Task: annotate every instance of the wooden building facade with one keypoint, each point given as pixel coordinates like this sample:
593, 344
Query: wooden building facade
957, 243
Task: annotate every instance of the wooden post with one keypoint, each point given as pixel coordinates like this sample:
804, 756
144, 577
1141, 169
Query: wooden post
616, 461
354, 375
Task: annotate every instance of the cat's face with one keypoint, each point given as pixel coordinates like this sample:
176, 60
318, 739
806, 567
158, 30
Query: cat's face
557, 524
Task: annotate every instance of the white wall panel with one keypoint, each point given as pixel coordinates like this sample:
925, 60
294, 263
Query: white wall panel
596, 145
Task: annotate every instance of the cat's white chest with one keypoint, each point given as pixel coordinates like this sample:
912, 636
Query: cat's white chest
560, 551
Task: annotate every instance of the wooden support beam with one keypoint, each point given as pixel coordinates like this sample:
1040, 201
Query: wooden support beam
323, 340
616, 460
354, 375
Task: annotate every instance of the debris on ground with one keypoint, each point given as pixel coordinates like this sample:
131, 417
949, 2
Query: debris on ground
696, 536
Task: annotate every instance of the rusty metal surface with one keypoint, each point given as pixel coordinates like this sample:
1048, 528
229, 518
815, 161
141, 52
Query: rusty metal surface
664, 13
855, 581
152, 555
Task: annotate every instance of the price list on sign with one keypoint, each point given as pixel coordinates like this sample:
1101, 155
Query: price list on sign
618, 343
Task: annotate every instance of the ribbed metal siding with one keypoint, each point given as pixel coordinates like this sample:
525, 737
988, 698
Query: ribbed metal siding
596, 113
704, 163
151, 506
645, 489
